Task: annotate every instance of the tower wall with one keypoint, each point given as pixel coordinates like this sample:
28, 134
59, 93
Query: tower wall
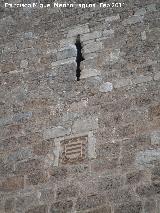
91, 145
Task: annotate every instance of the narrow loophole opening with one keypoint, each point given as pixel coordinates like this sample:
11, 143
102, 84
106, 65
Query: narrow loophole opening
79, 57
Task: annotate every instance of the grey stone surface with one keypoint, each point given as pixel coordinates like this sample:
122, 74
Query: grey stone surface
64, 61
112, 18
107, 33
24, 64
151, 7
106, 87
78, 29
91, 145
69, 51
115, 55
155, 138
84, 125
157, 76
19, 117
121, 83
133, 20
141, 79
20, 154
93, 47
55, 132
90, 36
6, 120
140, 12
86, 73
145, 159
108, 120
143, 34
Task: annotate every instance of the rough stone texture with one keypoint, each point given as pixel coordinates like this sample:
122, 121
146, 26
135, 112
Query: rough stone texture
85, 125
106, 87
93, 47
55, 132
86, 73
109, 121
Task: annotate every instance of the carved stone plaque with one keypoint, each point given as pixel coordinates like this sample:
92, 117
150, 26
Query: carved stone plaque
74, 150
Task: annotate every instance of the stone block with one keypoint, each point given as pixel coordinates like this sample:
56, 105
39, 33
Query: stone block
20, 154
64, 42
112, 18
65, 62
107, 33
24, 64
80, 29
106, 87
115, 55
125, 131
143, 35
91, 145
79, 106
27, 201
42, 148
62, 206
155, 138
28, 35
140, 12
103, 209
55, 132
90, 56
12, 184
85, 125
6, 168
69, 51
154, 111
20, 117
133, 20
106, 164
27, 167
155, 176
149, 205
134, 177
157, 76
58, 173
48, 195
92, 201
123, 82
38, 209
86, 73
6, 120
93, 47
131, 207
108, 149
77, 170
151, 7
141, 79
47, 59
8, 67
67, 192
89, 63
36, 178
145, 158
90, 36
120, 195
9, 205
148, 190
108, 182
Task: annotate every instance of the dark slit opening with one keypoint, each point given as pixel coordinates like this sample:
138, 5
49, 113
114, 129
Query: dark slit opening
79, 57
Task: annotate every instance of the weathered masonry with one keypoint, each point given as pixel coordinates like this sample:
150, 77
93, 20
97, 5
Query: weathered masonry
86, 146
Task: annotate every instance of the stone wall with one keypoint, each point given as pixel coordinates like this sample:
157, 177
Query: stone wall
80, 146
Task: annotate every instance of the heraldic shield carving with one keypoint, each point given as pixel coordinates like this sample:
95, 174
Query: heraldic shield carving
73, 150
